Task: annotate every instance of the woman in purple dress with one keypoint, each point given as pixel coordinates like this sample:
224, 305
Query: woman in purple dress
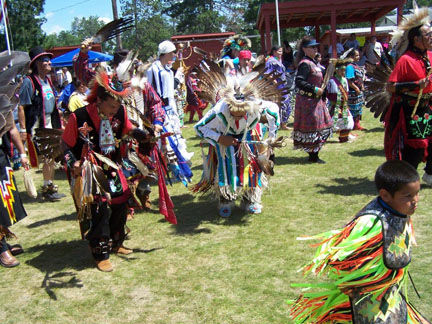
312, 121
274, 63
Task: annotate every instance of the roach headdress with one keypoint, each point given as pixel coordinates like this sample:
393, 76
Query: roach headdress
113, 86
242, 94
419, 17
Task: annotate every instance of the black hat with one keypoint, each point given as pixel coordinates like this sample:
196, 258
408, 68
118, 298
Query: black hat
311, 43
37, 52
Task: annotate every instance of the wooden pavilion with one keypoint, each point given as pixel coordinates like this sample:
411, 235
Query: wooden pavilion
299, 13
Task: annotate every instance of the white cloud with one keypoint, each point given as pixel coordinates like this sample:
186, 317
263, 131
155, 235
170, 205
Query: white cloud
55, 29
105, 20
49, 14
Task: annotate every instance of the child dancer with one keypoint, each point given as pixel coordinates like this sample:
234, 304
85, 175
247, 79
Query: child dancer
367, 261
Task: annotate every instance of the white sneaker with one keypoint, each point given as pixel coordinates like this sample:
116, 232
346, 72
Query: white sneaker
427, 178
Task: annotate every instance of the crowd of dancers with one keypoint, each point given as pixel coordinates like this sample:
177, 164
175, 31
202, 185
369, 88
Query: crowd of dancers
118, 134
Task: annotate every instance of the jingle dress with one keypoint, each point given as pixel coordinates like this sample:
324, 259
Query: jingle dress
312, 121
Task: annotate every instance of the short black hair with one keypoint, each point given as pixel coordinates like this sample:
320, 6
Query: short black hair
393, 175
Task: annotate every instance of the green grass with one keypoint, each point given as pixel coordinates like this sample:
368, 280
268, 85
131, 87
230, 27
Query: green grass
205, 269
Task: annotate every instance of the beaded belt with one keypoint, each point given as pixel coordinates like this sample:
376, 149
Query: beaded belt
306, 93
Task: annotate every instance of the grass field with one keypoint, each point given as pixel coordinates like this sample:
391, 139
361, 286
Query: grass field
205, 269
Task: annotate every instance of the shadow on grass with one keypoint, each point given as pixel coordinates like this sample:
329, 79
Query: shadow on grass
26, 199
349, 187
54, 258
191, 214
64, 217
368, 152
280, 160
128, 258
375, 130
60, 280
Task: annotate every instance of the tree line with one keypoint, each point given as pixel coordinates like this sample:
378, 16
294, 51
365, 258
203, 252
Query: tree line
154, 21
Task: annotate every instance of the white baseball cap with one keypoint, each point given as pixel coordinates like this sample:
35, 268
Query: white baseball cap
166, 47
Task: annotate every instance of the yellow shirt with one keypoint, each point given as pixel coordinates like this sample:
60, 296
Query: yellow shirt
76, 101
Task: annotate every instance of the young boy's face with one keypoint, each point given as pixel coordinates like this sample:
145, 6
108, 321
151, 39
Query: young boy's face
405, 199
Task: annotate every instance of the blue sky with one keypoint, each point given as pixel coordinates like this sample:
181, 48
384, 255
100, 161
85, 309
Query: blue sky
60, 14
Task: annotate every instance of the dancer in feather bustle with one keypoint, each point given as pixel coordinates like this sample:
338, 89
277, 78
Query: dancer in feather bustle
238, 157
144, 109
367, 261
95, 155
408, 117
408, 122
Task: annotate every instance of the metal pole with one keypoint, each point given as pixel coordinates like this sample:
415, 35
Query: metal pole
5, 28
277, 22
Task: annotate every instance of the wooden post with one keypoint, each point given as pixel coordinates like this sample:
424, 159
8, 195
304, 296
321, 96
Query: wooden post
333, 33
400, 13
267, 35
373, 28
263, 45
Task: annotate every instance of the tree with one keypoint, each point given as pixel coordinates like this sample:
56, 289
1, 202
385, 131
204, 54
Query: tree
25, 24
205, 16
64, 38
86, 27
81, 28
151, 27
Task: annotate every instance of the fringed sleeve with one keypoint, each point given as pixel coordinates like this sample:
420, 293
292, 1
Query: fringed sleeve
206, 128
353, 259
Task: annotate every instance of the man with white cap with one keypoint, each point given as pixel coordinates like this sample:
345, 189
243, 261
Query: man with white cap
163, 80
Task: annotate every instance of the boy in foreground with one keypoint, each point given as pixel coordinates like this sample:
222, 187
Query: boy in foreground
367, 261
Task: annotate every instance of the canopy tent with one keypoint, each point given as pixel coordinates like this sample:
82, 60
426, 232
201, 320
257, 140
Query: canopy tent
66, 59
300, 13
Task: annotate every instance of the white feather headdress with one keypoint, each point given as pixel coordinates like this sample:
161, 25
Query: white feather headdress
241, 93
419, 17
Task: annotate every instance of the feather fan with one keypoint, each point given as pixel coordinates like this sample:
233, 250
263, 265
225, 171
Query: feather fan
10, 65
106, 160
125, 66
48, 142
377, 97
112, 29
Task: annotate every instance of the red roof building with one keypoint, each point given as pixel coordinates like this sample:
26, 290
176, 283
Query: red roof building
300, 13
211, 43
